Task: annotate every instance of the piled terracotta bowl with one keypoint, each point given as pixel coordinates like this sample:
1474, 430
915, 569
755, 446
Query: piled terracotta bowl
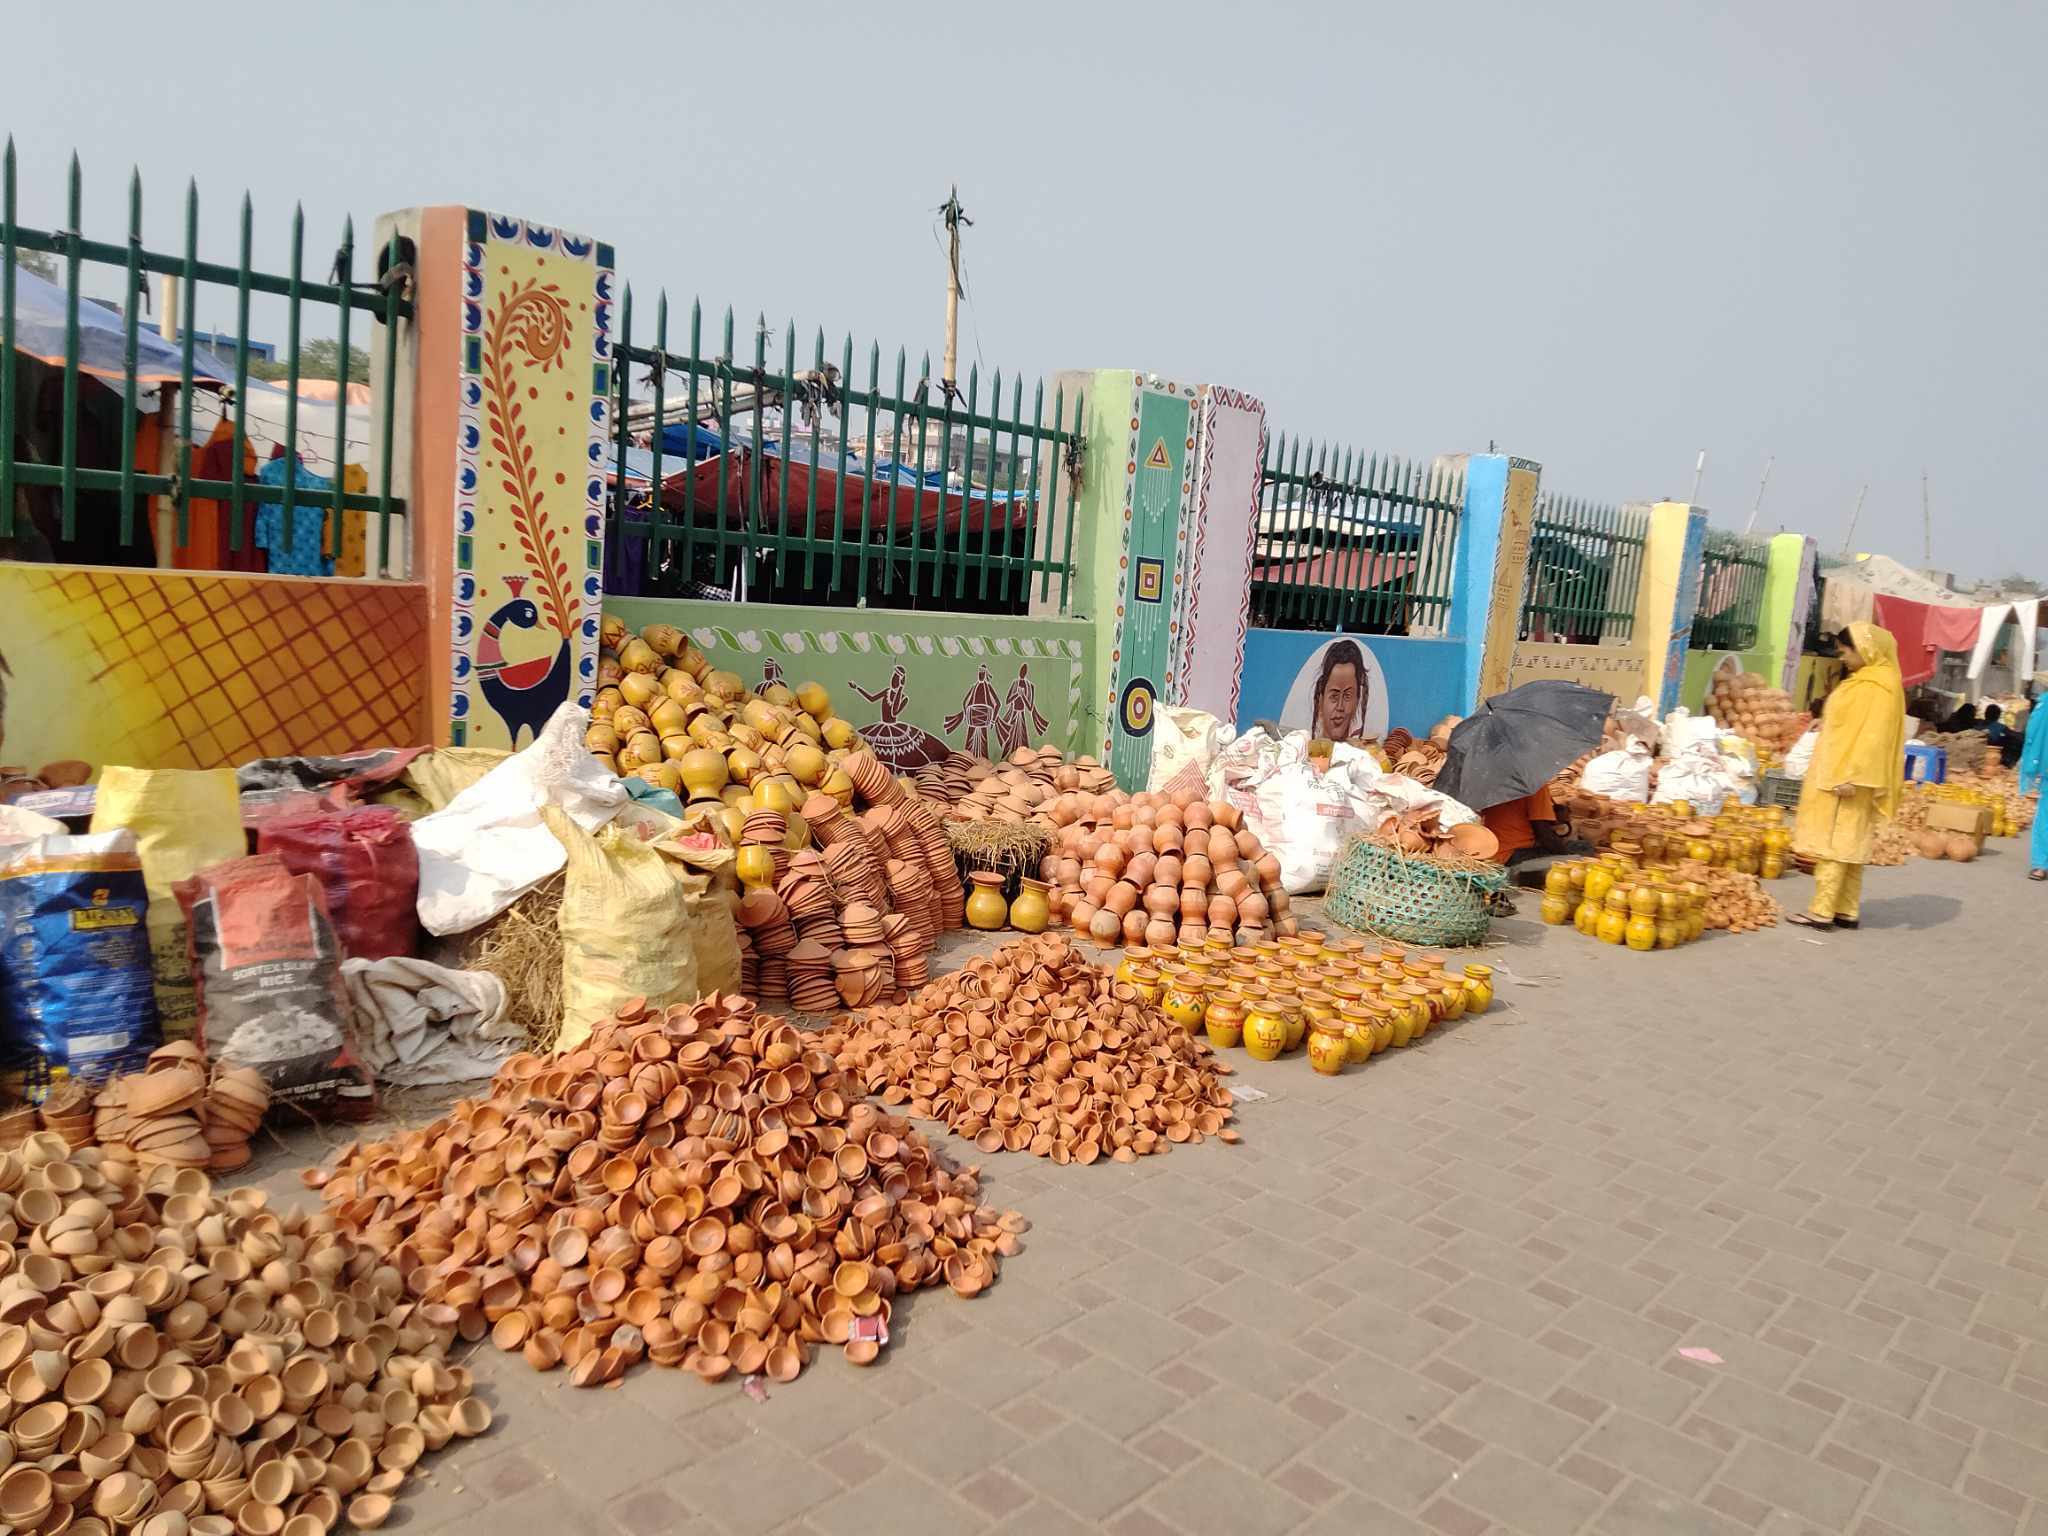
697, 1186
182, 1361
1033, 1049
1160, 869
17, 1125
1014, 789
888, 858
68, 1111
179, 1112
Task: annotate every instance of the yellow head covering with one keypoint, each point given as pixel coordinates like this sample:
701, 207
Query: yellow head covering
1863, 730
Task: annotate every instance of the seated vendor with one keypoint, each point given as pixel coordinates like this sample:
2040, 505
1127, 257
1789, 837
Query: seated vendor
1527, 827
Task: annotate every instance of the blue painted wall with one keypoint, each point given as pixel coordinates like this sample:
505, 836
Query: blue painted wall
1417, 682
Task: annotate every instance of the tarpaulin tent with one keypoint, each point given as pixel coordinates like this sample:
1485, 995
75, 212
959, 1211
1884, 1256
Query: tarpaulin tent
39, 329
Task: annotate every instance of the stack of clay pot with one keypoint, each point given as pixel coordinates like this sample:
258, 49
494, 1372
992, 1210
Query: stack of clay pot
67, 1110
664, 714
697, 1186
888, 859
178, 1112
178, 1361
17, 1125
1018, 788
1033, 1049
1161, 869
1744, 703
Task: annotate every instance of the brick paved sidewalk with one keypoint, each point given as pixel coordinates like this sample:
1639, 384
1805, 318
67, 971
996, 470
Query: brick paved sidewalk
1448, 1292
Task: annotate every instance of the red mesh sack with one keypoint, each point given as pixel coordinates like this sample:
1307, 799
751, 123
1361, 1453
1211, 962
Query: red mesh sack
368, 870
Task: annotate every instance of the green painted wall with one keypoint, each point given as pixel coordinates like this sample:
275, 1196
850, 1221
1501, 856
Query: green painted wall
942, 656
1779, 623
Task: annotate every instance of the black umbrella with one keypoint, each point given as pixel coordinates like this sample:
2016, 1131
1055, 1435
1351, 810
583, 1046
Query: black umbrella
1520, 740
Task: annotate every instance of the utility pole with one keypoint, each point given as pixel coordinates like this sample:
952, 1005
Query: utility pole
1753, 511
1699, 473
1926, 524
955, 216
1850, 538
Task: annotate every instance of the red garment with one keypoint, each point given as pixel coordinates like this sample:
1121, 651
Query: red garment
1923, 631
206, 544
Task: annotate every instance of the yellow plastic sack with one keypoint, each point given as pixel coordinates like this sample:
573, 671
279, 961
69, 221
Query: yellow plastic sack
439, 776
184, 820
714, 936
626, 927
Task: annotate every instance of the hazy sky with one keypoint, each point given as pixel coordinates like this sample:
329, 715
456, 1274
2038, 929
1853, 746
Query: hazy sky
1604, 237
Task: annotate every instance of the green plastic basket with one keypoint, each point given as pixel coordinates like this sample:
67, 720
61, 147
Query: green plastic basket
1376, 889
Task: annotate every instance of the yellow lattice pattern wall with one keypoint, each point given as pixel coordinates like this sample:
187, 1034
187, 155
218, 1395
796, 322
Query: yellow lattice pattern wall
203, 671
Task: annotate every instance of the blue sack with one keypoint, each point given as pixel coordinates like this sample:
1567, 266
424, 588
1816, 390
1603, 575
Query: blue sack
76, 997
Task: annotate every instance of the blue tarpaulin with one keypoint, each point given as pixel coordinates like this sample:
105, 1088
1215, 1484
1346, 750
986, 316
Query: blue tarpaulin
39, 308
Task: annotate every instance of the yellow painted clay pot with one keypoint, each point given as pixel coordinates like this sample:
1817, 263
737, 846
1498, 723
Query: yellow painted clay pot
1185, 1001
1224, 1021
1031, 911
1640, 932
1613, 927
986, 908
755, 865
1265, 1030
1327, 1050
1357, 1020
1557, 910
1478, 988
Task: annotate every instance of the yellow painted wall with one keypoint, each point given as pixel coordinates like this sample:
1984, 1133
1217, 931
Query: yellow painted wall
159, 669
1615, 669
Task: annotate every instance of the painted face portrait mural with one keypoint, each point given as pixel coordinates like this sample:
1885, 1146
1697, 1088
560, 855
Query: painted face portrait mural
1339, 694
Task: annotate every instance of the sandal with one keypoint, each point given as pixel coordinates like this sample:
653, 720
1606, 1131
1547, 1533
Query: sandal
1808, 920
2037, 874
1848, 922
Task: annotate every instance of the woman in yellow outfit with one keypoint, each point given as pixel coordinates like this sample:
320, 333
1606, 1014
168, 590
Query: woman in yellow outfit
1856, 777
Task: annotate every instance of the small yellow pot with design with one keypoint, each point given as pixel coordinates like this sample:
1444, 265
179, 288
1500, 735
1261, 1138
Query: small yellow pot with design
1478, 988
1400, 1023
1327, 1049
1265, 1030
1134, 955
1357, 1021
1296, 1020
1224, 1019
1185, 1000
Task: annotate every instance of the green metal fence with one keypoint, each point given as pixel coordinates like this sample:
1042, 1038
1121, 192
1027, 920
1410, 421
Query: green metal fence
793, 481
62, 496
1733, 574
1585, 566
1353, 542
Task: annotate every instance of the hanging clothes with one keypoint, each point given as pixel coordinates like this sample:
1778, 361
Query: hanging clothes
205, 547
2027, 616
308, 551
1923, 632
352, 556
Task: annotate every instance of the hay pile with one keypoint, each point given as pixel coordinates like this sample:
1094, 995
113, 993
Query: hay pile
522, 947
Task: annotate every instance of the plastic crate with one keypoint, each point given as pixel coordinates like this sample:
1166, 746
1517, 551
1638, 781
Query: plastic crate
1776, 789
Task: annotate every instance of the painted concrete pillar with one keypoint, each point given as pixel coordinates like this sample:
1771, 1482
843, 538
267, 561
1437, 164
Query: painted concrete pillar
1788, 603
1168, 511
1669, 597
1490, 569
503, 421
